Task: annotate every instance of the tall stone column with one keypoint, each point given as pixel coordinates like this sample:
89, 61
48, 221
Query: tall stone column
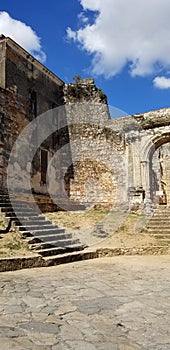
146, 185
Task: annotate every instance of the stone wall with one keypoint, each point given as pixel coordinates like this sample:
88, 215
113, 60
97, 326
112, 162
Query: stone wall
97, 151
95, 160
27, 89
113, 157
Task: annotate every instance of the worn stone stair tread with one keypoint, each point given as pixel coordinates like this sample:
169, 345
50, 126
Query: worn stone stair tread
34, 219
34, 215
36, 228
48, 258
154, 219
18, 208
159, 230
159, 224
20, 215
160, 234
59, 242
19, 218
161, 214
54, 230
37, 245
8, 205
9, 209
71, 243
53, 238
66, 255
48, 251
76, 246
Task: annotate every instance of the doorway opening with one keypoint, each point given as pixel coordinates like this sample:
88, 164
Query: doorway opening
160, 175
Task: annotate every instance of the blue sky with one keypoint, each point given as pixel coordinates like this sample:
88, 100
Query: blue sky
124, 46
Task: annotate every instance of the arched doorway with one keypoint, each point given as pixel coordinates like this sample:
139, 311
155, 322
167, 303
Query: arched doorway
155, 169
159, 171
161, 174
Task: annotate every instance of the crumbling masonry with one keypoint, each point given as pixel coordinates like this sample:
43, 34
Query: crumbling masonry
101, 162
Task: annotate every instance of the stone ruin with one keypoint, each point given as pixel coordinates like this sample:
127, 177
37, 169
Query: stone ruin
94, 160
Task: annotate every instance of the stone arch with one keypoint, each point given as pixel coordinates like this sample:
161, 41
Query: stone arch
146, 160
152, 144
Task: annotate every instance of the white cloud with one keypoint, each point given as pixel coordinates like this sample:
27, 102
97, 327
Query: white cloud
133, 33
162, 82
22, 34
71, 34
82, 18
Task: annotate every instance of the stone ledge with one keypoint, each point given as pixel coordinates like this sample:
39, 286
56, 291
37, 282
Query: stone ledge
18, 263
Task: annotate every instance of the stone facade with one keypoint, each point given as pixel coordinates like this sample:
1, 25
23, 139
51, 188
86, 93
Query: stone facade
92, 159
27, 89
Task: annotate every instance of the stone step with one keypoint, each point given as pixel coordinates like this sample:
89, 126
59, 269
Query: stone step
5, 201
51, 251
33, 220
36, 245
44, 236
50, 231
58, 250
166, 213
7, 206
43, 231
160, 227
161, 213
51, 238
159, 222
67, 257
4, 196
12, 203
38, 227
63, 239
24, 221
156, 230
161, 236
156, 219
16, 210
26, 214
61, 242
75, 246
161, 217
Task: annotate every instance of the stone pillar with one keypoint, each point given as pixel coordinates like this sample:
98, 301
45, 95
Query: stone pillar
146, 185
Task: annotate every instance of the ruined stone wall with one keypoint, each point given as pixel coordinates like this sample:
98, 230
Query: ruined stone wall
13, 120
24, 74
84, 90
20, 75
95, 160
144, 134
97, 153
113, 162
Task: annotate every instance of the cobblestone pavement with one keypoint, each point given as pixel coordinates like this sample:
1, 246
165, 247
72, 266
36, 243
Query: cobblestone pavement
119, 303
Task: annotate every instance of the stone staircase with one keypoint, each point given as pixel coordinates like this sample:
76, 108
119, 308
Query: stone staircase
46, 238
159, 224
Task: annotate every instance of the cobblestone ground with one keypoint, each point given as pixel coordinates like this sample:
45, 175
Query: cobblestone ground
119, 303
